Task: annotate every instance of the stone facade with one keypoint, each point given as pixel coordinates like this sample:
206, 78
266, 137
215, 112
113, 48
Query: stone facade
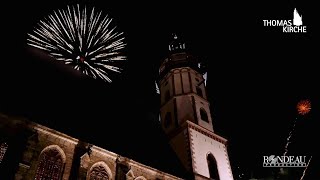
186, 117
79, 158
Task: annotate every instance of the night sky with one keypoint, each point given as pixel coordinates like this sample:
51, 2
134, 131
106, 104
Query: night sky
256, 76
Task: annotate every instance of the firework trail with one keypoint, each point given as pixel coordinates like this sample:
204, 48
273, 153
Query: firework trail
303, 108
288, 142
304, 171
81, 38
289, 137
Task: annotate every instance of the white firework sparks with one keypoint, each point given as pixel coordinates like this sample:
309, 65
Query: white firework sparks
288, 142
82, 39
289, 138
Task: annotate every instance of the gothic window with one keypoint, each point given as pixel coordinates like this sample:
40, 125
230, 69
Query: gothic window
167, 96
213, 168
51, 164
199, 91
3, 150
99, 171
167, 120
140, 178
203, 115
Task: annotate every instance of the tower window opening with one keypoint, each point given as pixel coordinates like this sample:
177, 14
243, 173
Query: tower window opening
204, 115
213, 168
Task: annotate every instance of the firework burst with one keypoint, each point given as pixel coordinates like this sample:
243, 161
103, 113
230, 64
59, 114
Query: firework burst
303, 107
82, 38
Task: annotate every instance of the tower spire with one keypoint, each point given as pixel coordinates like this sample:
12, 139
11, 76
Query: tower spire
186, 118
176, 44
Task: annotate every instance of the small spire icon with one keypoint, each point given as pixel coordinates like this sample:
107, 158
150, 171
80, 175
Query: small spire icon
297, 19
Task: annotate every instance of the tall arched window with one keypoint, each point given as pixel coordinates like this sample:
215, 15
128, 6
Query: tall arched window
51, 163
203, 115
3, 150
213, 168
99, 171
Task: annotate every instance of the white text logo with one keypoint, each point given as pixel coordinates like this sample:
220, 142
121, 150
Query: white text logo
284, 161
289, 26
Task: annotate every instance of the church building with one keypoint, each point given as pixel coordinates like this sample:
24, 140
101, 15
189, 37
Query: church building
29, 150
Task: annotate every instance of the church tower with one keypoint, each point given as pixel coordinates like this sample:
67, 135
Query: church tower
186, 119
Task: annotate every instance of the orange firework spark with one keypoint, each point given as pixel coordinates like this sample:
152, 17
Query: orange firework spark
304, 107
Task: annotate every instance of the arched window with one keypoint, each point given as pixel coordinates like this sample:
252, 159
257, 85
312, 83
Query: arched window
99, 171
199, 91
51, 163
203, 115
167, 120
213, 168
140, 178
3, 150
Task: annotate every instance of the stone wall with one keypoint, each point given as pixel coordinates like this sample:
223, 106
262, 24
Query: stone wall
79, 158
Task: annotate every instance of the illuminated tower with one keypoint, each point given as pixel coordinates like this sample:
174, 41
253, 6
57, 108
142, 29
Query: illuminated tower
186, 118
